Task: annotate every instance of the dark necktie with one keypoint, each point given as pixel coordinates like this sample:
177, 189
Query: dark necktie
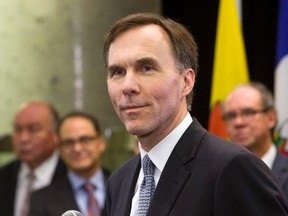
93, 206
147, 186
26, 201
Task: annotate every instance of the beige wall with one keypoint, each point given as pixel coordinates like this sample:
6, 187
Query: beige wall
51, 50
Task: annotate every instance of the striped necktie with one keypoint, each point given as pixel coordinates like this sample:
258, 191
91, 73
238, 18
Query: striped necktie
147, 186
26, 201
93, 206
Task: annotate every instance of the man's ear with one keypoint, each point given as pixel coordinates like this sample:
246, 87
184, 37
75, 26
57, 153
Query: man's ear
272, 118
102, 143
189, 80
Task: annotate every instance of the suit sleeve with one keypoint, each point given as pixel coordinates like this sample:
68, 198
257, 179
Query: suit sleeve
243, 185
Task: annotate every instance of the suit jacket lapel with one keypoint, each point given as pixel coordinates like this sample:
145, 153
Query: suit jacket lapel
11, 188
280, 168
128, 188
167, 190
176, 170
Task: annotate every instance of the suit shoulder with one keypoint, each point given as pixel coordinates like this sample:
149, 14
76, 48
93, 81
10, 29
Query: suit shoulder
199, 138
220, 145
9, 169
222, 152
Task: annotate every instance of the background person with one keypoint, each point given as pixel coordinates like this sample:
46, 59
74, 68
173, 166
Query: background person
250, 117
35, 142
152, 64
81, 147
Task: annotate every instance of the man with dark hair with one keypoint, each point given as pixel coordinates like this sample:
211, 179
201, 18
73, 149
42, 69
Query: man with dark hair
182, 169
83, 188
35, 142
250, 117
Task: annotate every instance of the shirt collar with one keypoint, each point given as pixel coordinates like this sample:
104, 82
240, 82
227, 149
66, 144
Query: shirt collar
160, 153
49, 164
43, 173
77, 181
270, 156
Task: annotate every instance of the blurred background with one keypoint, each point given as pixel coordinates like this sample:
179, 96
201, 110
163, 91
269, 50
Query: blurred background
51, 51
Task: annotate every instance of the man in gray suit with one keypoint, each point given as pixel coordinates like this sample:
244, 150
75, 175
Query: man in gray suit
250, 117
152, 65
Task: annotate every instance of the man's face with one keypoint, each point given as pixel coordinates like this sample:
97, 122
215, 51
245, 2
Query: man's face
146, 88
81, 146
34, 135
251, 124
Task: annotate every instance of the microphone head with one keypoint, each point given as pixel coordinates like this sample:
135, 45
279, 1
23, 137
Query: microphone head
72, 213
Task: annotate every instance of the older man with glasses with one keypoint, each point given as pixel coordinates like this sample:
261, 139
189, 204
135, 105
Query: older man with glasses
250, 117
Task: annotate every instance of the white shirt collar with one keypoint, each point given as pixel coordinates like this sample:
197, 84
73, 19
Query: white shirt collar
160, 153
270, 156
43, 173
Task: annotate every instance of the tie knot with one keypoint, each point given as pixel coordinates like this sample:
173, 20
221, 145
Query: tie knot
148, 166
31, 176
89, 187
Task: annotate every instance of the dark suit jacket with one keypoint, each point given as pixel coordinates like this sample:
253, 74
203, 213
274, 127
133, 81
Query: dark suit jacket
280, 171
204, 176
8, 180
57, 198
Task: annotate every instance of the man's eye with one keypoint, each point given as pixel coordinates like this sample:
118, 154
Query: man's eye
248, 112
68, 142
229, 116
84, 139
18, 129
146, 68
117, 72
34, 128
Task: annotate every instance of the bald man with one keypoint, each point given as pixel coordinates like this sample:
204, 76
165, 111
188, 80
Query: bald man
35, 142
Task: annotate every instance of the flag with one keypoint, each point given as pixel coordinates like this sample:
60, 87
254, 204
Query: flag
230, 65
279, 140
281, 78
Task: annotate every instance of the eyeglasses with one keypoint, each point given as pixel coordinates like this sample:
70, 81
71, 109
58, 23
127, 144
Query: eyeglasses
245, 114
83, 140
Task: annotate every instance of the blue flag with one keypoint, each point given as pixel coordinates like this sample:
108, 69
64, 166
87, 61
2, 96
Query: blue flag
281, 77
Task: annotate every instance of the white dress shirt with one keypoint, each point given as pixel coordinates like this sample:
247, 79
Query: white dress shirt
270, 156
43, 176
159, 155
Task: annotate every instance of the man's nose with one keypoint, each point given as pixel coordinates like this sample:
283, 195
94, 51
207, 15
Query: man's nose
130, 84
24, 135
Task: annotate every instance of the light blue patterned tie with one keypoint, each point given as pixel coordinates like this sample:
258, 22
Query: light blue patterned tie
147, 186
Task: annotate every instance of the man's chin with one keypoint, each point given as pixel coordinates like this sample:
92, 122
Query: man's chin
135, 133
243, 143
132, 129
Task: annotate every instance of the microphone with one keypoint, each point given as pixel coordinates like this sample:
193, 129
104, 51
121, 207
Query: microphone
72, 213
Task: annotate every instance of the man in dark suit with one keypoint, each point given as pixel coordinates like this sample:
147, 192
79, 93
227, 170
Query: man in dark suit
250, 117
81, 147
34, 141
152, 65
